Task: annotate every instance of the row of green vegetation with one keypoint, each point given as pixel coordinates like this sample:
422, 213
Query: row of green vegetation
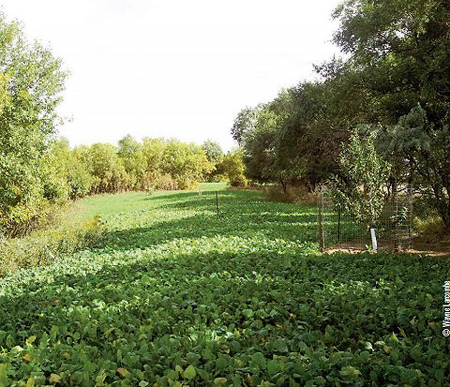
390, 94
176, 295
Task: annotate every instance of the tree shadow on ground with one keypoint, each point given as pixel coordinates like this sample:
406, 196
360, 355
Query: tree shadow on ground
240, 214
205, 200
289, 227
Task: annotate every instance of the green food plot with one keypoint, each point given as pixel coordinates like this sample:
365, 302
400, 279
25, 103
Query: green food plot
178, 295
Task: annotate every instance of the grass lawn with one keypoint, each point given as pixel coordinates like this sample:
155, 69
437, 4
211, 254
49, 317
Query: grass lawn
177, 295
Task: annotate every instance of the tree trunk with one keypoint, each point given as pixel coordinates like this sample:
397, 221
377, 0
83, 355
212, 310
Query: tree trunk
395, 225
445, 215
320, 220
283, 185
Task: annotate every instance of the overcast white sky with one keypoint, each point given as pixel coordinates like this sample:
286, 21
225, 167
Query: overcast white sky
174, 68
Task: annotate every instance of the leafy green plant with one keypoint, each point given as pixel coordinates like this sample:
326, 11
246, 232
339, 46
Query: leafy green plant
175, 294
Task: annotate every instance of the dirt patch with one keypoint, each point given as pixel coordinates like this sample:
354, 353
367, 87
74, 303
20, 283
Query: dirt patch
438, 249
434, 249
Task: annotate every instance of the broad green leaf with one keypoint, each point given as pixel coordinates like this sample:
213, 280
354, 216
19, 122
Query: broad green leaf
123, 371
4, 380
54, 378
349, 371
189, 372
31, 340
220, 382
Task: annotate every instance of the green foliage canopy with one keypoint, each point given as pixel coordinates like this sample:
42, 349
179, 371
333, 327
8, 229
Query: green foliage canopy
359, 186
31, 82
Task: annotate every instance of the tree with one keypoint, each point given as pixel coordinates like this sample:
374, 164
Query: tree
133, 158
31, 83
310, 133
106, 168
213, 151
244, 121
358, 187
425, 148
186, 163
153, 149
215, 155
55, 178
71, 167
234, 168
400, 49
401, 46
258, 145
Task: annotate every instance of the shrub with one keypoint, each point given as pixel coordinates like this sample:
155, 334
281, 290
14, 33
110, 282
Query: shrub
296, 194
431, 227
24, 217
220, 178
45, 246
427, 223
238, 181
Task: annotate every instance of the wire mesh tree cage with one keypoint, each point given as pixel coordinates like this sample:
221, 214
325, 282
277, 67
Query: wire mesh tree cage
339, 229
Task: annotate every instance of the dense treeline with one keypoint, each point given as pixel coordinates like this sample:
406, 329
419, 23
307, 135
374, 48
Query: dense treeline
132, 165
392, 92
152, 164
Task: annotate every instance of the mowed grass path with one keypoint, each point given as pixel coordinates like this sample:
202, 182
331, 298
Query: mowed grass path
178, 295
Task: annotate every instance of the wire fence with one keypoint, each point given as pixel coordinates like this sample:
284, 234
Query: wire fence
338, 229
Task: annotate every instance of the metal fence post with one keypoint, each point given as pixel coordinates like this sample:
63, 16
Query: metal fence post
217, 202
410, 210
339, 225
320, 220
